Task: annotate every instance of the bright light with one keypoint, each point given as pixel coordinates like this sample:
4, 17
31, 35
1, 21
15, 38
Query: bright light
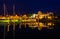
4, 20
14, 20
33, 16
41, 16
41, 24
50, 24
49, 17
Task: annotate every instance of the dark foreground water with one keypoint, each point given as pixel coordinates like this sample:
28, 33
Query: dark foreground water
29, 33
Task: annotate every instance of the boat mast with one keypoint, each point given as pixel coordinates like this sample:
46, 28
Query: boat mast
4, 15
13, 22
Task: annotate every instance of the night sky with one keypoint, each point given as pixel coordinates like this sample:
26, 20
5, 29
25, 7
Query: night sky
31, 6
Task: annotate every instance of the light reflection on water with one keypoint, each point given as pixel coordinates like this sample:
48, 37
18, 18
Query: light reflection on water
31, 25
39, 26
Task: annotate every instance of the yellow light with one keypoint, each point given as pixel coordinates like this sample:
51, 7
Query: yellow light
3, 18
41, 24
50, 24
39, 12
33, 16
49, 17
11, 17
41, 16
16, 14
14, 20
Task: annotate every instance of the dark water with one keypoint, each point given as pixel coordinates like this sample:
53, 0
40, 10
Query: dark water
28, 32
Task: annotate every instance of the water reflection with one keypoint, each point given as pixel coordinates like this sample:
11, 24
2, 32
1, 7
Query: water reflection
31, 25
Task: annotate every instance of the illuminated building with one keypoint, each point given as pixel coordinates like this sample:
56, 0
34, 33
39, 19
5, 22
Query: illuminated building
27, 20
38, 20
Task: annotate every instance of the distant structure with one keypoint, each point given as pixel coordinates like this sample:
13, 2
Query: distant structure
38, 20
